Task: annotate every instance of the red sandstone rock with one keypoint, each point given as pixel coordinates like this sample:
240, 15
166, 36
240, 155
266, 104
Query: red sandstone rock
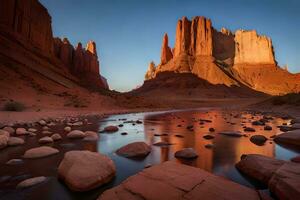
85, 170
29, 24
29, 21
166, 53
66, 52
245, 59
171, 180
251, 48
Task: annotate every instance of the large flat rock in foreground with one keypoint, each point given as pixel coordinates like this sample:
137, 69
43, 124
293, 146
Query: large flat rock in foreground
172, 180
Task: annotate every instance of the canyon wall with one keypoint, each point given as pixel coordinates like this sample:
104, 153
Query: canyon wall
223, 57
25, 25
29, 21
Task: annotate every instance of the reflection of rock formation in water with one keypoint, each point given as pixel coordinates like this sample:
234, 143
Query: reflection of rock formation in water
227, 150
168, 123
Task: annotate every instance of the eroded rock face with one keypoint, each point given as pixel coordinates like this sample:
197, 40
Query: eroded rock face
177, 181
240, 59
151, 71
166, 53
193, 37
29, 23
251, 48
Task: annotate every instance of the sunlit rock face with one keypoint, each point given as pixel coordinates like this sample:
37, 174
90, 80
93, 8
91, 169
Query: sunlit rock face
251, 48
166, 53
151, 71
223, 57
28, 23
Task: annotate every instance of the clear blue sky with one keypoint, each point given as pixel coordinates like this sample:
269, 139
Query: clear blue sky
129, 33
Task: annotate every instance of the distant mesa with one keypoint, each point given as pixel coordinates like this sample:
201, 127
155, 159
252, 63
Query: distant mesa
25, 28
222, 57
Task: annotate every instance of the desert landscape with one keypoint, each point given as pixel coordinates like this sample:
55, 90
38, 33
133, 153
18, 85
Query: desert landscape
217, 118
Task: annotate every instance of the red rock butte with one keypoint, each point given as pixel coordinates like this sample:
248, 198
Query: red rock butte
223, 57
27, 38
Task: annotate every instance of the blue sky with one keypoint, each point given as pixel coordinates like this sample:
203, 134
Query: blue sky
128, 33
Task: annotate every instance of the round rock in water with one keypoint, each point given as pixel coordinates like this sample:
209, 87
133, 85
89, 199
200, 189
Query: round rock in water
45, 140
31, 182
111, 129
21, 131
15, 141
258, 139
3, 141
40, 152
186, 153
90, 136
135, 149
232, 133
15, 162
85, 170
268, 128
208, 137
67, 129
56, 137
9, 129
76, 134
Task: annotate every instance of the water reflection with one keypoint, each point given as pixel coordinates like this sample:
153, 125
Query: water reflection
226, 151
158, 126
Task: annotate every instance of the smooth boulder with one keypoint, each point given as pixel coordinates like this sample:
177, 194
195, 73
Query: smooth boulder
186, 153
76, 134
40, 152
31, 182
135, 149
21, 131
3, 141
85, 170
90, 136
45, 140
9, 129
56, 137
258, 139
15, 141
111, 129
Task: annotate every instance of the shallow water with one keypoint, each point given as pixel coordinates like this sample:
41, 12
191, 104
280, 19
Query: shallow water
219, 160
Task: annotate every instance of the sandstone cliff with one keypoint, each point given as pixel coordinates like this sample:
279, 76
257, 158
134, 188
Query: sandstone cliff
193, 52
25, 28
223, 57
251, 48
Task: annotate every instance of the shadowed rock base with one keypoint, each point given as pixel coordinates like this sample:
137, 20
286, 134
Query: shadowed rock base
171, 180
